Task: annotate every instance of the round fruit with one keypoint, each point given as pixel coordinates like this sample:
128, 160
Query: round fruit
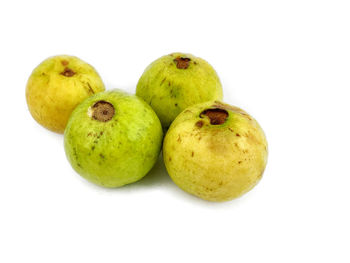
215, 151
113, 138
57, 86
176, 81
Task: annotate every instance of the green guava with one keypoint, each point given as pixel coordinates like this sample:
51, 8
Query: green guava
57, 86
113, 138
176, 81
215, 151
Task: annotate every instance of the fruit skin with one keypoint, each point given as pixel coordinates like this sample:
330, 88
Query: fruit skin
57, 86
215, 162
169, 89
116, 152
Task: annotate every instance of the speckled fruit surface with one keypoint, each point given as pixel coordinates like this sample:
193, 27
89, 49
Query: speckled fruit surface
57, 86
215, 151
113, 138
176, 81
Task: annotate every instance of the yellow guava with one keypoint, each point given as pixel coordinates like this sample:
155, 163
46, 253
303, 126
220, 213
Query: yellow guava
57, 86
215, 151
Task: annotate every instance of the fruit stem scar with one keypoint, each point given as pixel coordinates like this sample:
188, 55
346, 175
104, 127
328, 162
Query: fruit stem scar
67, 72
182, 62
217, 116
102, 111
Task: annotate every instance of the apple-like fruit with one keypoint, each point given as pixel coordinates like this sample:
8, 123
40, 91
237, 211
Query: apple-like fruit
57, 86
113, 138
215, 151
176, 81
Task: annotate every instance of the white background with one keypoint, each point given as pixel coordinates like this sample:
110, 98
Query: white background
285, 62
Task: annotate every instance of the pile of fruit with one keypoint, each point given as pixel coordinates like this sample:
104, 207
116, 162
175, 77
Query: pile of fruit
210, 149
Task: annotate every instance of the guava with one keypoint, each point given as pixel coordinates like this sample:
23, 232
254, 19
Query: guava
215, 151
176, 81
57, 86
113, 138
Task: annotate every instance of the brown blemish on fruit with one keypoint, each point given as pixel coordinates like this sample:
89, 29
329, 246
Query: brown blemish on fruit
192, 154
209, 189
182, 62
179, 138
231, 129
239, 162
89, 89
169, 159
199, 124
98, 136
64, 62
102, 111
238, 135
246, 115
67, 72
217, 116
162, 81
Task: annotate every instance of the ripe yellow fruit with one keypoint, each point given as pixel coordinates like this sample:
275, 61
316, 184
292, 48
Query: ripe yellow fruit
57, 86
215, 151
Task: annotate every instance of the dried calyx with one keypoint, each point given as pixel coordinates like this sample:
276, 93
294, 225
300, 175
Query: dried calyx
182, 62
217, 116
67, 72
102, 111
